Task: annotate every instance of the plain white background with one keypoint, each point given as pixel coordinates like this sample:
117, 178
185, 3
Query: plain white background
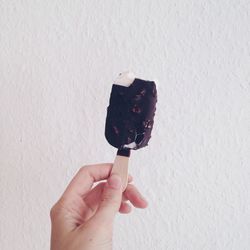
58, 60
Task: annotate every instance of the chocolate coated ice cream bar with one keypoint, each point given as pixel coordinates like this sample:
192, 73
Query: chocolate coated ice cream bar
130, 114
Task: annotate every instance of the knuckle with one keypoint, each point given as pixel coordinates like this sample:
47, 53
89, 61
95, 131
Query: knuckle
56, 209
83, 169
53, 211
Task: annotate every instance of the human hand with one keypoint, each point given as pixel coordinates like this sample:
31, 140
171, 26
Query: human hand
82, 219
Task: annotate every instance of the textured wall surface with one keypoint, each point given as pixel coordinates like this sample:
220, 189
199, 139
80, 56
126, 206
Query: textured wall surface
58, 60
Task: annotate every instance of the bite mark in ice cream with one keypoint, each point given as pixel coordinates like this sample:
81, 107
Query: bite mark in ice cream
125, 78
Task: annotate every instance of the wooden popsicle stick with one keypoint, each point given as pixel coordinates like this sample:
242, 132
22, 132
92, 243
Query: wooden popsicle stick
120, 167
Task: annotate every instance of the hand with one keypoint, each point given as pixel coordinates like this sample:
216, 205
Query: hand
83, 217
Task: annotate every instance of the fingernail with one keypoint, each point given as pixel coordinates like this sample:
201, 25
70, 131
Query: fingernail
115, 181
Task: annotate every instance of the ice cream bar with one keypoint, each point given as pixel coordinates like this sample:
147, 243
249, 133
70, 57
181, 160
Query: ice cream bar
130, 118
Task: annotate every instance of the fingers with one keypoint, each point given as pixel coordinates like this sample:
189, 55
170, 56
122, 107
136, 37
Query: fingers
125, 208
134, 196
131, 194
93, 197
110, 201
85, 177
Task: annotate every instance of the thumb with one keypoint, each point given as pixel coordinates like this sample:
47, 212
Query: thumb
110, 199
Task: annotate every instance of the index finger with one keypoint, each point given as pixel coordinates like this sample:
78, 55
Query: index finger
86, 177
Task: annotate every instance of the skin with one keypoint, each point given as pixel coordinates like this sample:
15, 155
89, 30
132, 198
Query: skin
82, 219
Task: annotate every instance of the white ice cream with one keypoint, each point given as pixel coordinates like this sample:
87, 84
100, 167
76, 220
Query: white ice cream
125, 78
130, 145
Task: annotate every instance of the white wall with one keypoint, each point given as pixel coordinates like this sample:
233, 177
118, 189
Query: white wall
58, 60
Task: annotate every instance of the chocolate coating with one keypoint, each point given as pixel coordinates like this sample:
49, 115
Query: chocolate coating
130, 114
